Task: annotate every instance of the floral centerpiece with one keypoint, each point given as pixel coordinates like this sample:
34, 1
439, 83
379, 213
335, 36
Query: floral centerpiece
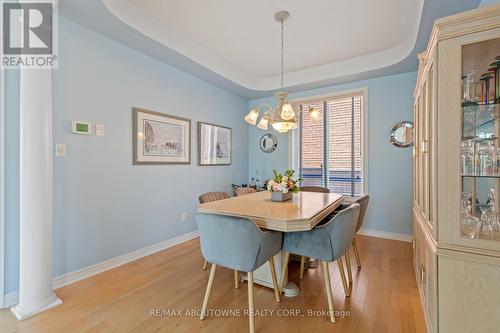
283, 185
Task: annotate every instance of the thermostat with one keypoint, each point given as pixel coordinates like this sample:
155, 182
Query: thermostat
81, 127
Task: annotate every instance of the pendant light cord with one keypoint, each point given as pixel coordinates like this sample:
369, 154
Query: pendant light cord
282, 52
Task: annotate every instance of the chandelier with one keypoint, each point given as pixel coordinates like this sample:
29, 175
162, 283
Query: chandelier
282, 118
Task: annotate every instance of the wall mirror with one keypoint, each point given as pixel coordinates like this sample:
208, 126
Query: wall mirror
401, 134
268, 143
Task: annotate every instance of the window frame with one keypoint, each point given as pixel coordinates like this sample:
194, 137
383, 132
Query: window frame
363, 91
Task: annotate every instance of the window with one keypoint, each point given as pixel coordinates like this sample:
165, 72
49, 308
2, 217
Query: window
330, 152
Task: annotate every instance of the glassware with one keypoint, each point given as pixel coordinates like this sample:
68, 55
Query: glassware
469, 222
467, 156
484, 230
496, 227
495, 69
468, 88
487, 158
497, 167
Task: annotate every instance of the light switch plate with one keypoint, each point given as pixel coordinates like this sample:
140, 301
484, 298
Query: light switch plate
99, 129
60, 149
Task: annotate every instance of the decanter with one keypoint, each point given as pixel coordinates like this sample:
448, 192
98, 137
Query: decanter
469, 223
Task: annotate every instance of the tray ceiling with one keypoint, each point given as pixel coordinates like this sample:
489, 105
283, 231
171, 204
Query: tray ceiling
235, 44
240, 39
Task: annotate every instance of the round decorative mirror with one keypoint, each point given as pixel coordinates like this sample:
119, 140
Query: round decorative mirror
402, 134
268, 143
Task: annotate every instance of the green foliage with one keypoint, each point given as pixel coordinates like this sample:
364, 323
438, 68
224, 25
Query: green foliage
285, 180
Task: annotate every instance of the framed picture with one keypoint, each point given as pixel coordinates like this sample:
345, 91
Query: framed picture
214, 144
159, 138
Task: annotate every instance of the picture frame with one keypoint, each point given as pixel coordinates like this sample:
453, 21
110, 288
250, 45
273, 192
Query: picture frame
159, 138
214, 144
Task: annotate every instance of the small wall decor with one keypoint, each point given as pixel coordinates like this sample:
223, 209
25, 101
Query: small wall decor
401, 134
268, 143
214, 144
159, 138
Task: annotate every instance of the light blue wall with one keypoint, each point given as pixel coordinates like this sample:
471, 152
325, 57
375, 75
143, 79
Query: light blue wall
390, 99
103, 205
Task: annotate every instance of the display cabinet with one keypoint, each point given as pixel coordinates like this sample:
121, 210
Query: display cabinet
457, 173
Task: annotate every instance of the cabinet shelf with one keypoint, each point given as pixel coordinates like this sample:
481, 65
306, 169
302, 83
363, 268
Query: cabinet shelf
480, 176
478, 139
479, 120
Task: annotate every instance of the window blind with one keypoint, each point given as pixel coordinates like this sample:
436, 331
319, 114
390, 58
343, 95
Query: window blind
330, 152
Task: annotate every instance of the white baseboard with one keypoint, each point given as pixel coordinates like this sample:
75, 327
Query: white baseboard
65, 279
386, 235
11, 299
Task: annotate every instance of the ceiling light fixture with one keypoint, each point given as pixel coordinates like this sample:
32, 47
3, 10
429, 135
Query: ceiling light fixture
283, 118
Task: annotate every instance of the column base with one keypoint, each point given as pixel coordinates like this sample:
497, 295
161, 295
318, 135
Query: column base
22, 314
313, 263
291, 290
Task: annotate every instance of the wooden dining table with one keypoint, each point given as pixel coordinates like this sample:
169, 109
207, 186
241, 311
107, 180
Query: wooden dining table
303, 212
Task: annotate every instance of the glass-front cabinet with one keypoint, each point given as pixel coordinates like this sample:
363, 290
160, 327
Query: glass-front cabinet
456, 174
467, 140
480, 143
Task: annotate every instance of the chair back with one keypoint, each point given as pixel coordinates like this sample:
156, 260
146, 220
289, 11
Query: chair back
363, 203
229, 241
341, 230
244, 191
319, 189
212, 196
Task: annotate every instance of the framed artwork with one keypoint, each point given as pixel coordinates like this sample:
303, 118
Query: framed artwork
214, 144
159, 138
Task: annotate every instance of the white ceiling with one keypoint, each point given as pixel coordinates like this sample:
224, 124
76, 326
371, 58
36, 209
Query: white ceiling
242, 55
240, 40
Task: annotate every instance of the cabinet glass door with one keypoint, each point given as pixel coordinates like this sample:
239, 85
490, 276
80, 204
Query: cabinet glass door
480, 144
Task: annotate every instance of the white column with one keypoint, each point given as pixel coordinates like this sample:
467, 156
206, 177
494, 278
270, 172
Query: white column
36, 218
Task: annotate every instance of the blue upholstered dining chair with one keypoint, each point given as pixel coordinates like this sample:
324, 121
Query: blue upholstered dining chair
363, 205
327, 242
209, 197
237, 243
316, 189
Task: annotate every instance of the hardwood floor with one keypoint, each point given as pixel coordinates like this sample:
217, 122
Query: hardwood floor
145, 295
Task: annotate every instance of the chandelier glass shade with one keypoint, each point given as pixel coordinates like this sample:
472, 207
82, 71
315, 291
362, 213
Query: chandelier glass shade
314, 114
282, 118
251, 117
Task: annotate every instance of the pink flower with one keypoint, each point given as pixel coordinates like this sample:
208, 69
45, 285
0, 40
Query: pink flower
275, 187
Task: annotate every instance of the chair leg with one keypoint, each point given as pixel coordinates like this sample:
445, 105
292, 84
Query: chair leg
342, 275
302, 264
356, 253
348, 265
275, 280
236, 279
250, 302
284, 270
207, 292
328, 287
205, 265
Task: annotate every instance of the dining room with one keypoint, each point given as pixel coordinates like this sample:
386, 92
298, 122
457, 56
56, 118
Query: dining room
249, 166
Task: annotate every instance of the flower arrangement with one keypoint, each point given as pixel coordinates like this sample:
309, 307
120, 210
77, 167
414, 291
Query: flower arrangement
284, 182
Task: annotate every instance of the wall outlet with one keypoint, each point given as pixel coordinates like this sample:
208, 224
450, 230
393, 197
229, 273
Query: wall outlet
60, 149
183, 217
